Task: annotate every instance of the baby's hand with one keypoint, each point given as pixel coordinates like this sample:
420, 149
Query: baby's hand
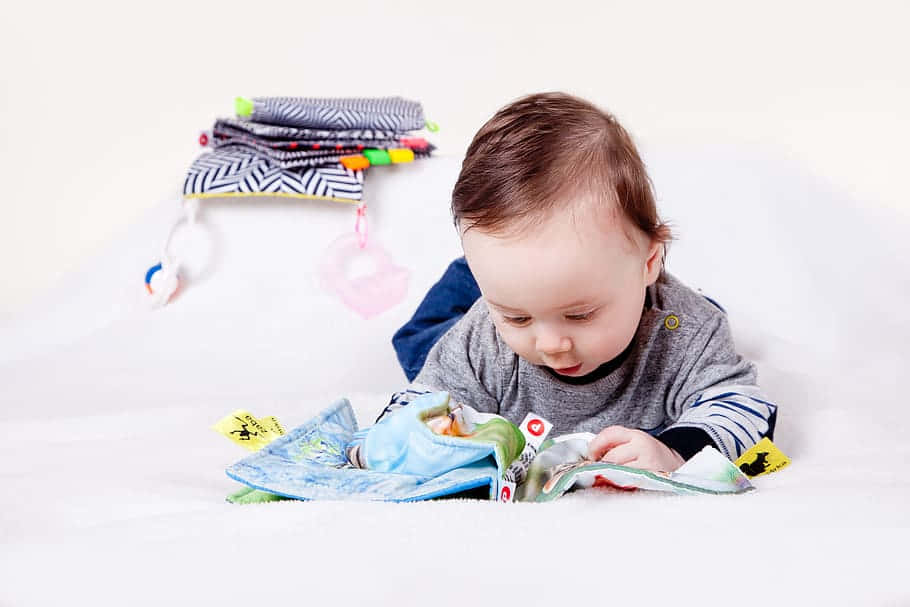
633, 448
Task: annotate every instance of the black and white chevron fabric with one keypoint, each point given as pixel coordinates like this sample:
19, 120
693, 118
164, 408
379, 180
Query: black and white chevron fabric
226, 135
392, 113
274, 131
236, 170
279, 155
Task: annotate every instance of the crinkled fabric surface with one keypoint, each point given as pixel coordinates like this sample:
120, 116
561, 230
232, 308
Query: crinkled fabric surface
310, 463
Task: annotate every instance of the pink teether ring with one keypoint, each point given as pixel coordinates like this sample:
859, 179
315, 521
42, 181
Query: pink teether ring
367, 295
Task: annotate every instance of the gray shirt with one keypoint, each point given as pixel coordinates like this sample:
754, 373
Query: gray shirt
681, 370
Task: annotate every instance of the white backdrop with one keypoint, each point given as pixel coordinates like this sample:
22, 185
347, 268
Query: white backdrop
103, 100
114, 482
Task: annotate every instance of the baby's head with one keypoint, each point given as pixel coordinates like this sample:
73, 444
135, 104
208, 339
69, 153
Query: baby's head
560, 229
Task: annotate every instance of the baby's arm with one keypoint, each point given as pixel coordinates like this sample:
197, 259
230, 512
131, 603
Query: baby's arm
715, 399
444, 304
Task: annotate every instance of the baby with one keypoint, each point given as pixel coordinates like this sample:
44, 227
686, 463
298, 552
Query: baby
572, 315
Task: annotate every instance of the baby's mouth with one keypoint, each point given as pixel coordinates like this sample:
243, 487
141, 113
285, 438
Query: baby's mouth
569, 370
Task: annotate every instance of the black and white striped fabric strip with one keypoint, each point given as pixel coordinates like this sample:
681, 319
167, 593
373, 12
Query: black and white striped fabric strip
391, 113
300, 144
272, 131
222, 137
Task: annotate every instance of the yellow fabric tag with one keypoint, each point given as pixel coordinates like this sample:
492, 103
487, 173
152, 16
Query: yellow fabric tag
272, 424
763, 458
245, 430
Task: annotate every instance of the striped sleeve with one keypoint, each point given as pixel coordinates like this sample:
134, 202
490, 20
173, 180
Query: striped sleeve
718, 396
734, 416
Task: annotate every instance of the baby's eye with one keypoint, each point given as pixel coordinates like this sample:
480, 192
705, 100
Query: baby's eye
580, 317
518, 321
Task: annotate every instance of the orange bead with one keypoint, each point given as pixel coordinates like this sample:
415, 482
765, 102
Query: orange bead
355, 163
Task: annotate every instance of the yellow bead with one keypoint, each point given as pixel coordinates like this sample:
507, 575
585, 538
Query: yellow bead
399, 155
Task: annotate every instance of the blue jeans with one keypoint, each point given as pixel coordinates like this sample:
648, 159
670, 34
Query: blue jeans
445, 303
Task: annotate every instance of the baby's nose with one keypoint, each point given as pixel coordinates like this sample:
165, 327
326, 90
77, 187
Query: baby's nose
553, 344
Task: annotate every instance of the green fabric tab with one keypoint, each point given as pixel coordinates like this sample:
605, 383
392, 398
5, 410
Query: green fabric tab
243, 107
248, 495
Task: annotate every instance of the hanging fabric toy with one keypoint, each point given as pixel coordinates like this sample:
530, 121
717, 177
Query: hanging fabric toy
163, 279
367, 295
307, 148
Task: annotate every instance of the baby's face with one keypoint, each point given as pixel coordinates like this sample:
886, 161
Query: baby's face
567, 294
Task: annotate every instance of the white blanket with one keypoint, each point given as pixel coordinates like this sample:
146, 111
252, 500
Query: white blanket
113, 481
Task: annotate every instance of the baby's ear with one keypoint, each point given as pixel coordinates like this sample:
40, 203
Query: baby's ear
653, 262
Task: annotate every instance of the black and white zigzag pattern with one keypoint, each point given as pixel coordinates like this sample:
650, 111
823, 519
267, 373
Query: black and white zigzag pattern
273, 131
231, 135
279, 155
393, 113
240, 170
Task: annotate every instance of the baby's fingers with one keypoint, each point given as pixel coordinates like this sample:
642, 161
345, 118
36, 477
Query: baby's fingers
623, 455
609, 438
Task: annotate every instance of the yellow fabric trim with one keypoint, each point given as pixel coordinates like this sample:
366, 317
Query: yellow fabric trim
270, 195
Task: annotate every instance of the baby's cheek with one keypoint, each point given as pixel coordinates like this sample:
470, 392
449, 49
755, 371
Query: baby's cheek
520, 342
598, 342
592, 340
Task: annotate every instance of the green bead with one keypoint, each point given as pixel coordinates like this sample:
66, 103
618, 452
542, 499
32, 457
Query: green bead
377, 157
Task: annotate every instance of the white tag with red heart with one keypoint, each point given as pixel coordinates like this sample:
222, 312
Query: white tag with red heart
506, 491
535, 428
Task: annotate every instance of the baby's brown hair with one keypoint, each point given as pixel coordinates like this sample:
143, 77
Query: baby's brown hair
542, 148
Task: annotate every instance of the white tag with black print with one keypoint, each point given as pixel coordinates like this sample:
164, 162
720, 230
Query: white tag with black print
535, 430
